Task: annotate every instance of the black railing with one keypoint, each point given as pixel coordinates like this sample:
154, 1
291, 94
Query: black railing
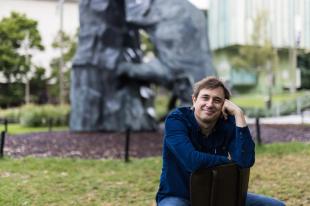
258, 136
127, 144
2, 141
5, 123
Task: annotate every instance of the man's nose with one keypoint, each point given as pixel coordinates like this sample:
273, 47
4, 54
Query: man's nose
210, 102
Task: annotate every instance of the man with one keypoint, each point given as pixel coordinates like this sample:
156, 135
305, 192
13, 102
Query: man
212, 132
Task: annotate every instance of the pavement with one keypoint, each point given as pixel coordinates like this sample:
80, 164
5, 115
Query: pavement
303, 118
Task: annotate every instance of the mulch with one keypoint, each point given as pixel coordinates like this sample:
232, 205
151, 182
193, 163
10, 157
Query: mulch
112, 145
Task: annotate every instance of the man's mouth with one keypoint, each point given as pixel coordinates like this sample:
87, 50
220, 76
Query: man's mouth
209, 111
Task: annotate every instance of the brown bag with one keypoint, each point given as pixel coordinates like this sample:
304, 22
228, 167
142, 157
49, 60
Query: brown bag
224, 185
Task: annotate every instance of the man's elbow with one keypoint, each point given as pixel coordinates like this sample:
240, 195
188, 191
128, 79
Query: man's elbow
246, 163
193, 163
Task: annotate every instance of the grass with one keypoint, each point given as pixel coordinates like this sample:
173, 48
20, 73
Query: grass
257, 100
281, 170
31, 181
14, 129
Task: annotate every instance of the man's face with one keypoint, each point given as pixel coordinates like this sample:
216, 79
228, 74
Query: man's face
208, 104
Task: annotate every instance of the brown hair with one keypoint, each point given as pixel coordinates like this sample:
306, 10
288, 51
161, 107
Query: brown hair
210, 82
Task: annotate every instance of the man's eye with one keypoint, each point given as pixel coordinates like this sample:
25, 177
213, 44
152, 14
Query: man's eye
218, 101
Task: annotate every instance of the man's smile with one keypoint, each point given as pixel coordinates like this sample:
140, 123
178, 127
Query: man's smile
208, 111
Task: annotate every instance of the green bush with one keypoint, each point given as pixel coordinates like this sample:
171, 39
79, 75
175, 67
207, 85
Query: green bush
281, 108
36, 116
256, 112
292, 106
305, 101
305, 78
12, 114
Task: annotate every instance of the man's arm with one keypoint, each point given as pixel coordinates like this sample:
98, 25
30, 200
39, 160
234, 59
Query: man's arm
242, 147
178, 142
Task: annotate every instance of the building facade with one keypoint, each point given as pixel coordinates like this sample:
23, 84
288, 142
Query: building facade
287, 27
231, 22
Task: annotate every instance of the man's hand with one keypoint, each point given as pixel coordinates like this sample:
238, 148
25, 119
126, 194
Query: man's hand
229, 156
232, 109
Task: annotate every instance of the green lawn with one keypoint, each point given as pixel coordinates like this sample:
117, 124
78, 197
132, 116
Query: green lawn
281, 170
257, 100
19, 129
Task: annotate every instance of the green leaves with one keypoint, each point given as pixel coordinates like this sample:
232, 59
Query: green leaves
14, 30
68, 45
16, 27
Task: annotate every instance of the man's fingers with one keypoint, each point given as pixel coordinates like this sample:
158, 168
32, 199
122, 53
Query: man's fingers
229, 156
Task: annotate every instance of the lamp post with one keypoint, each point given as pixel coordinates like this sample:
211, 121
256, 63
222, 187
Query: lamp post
294, 53
61, 60
26, 45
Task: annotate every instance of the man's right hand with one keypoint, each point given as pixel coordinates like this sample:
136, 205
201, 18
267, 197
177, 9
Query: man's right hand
230, 108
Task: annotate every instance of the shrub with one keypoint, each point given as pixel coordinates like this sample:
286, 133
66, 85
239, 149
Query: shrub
281, 108
35, 116
12, 114
256, 112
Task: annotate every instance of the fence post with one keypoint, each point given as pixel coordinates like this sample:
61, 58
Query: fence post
6, 125
127, 143
50, 124
2, 143
258, 136
298, 106
278, 110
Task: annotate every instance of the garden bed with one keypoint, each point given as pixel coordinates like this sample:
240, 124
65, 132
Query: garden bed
111, 145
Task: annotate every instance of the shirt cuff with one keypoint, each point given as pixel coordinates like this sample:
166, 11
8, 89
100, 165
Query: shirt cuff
243, 131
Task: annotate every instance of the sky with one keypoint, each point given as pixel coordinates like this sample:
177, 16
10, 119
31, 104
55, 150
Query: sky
201, 4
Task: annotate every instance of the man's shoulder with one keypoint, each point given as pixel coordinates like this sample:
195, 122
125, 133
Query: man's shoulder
185, 114
182, 115
181, 111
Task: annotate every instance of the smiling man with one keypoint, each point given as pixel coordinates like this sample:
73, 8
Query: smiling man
212, 132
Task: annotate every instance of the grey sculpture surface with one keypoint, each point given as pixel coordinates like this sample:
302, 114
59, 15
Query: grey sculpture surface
110, 86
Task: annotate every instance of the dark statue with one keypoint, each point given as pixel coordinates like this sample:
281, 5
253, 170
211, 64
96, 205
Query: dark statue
110, 89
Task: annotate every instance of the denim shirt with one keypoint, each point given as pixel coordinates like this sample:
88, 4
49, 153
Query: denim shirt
186, 149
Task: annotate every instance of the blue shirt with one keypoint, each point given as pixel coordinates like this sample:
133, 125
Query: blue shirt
186, 149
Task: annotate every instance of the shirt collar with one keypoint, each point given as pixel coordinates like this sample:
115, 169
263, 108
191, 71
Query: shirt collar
219, 124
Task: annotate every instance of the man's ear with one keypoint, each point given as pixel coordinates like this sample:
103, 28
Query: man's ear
193, 99
193, 104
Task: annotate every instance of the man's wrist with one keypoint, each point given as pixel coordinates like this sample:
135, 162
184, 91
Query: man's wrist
240, 119
239, 113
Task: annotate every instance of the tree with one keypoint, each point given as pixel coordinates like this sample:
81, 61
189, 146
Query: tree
260, 55
13, 31
303, 63
14, 65
68, 44
38, 84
